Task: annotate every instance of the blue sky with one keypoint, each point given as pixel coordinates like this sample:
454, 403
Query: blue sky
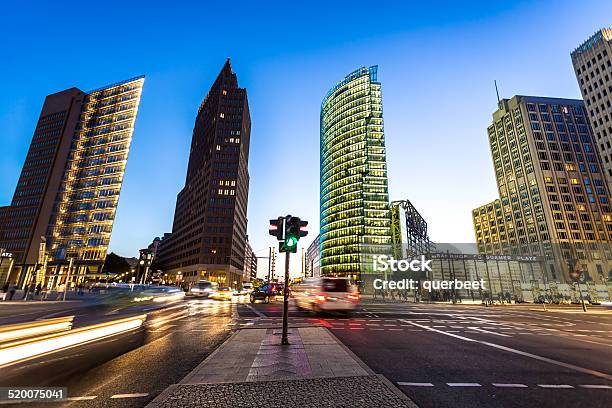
436, 63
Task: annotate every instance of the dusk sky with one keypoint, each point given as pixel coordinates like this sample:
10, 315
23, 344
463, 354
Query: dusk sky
437, 64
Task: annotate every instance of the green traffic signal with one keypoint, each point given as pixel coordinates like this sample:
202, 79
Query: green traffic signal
291, 242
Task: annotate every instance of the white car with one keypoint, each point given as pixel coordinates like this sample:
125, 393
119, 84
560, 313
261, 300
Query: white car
203, 288
326, 294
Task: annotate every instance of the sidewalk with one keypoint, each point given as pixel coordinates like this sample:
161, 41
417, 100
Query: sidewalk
252, 369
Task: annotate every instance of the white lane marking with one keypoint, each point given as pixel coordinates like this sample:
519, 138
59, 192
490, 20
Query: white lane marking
488, 332
463, 385
554, 386
135, 395
504, 385
83, 398
415, 384
522, 353
596, 386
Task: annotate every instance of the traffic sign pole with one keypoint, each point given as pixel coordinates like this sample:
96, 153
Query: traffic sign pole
285, 339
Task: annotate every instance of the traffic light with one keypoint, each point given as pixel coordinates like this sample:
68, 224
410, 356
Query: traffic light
277, 228
294, 230
288, 231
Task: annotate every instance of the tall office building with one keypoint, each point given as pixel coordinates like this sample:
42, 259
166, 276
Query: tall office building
210, 222
66, 197
355, 219
592, 62
313, 258
553, 198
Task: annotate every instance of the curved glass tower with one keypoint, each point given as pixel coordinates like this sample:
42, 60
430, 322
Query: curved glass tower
355, 218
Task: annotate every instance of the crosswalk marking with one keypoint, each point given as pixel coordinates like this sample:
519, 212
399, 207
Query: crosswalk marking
415, 384
463, 385
504, 385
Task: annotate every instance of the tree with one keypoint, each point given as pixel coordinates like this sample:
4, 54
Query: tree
116, 264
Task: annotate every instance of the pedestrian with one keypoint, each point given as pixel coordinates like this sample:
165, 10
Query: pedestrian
38, 288
12, 291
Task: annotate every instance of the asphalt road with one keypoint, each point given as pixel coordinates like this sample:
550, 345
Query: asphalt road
472, 356
439, 355
130, 370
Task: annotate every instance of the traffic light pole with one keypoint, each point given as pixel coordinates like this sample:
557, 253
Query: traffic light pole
284, 339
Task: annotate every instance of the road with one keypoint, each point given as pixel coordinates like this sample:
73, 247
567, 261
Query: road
439, 355
467, 356
130, 370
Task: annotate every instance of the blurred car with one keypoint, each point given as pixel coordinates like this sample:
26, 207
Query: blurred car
203, 288
240, 292
266, 293
221, 294
326, 294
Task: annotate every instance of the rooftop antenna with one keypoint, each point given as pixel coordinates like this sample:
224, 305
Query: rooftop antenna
496, 91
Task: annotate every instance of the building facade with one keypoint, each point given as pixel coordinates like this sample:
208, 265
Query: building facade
354, 210
553, 201
592, 62
209, 232
313, 258
65, 201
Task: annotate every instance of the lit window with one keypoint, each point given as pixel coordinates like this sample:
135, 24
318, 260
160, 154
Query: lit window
574, 181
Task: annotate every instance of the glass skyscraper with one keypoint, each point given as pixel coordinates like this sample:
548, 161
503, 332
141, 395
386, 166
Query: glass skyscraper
355, 218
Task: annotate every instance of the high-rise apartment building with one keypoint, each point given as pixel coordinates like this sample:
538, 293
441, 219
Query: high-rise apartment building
210, 222
553, 198
355, 219
592, 62
64, 205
